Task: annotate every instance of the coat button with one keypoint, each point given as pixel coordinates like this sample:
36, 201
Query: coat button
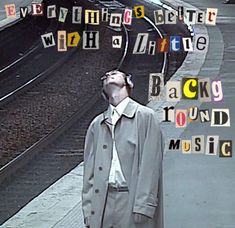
100, 168
92, 212
97, 191
104, 146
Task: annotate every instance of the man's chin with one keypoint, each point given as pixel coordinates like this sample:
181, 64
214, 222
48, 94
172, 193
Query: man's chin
112, 86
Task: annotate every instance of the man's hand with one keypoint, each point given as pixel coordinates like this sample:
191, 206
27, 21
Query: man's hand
140, 218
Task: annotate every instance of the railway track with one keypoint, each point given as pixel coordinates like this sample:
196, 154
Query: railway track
11, 36
11, 51
48, 162
32, 65
58, 152
44, 106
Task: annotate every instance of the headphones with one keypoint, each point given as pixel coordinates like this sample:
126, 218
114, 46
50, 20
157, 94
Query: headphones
128, 81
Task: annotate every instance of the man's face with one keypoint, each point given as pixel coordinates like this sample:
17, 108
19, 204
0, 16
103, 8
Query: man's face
114, 77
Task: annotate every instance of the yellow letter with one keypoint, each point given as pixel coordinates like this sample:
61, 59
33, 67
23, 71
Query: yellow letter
190, 88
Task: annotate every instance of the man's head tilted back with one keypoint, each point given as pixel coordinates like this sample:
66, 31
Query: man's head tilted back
115, 82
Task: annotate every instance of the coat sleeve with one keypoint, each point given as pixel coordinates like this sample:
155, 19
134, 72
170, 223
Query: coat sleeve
88, 177
146, 195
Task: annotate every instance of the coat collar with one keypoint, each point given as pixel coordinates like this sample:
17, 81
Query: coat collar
129, 111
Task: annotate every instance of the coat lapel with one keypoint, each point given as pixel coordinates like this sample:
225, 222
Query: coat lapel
128, 112
107, 118
130, 109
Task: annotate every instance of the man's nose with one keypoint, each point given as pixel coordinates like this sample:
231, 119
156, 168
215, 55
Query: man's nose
104, 77
107, 75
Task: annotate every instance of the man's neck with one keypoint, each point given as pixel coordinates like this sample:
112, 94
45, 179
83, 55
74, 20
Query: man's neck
117, 96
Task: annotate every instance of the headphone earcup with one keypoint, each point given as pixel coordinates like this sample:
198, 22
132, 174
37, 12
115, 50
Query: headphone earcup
129, 82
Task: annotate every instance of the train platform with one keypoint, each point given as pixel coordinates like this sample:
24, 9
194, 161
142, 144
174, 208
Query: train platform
58, 206
198, 189
6, 21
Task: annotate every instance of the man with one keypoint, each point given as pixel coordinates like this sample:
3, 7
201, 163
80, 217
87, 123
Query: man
122, 185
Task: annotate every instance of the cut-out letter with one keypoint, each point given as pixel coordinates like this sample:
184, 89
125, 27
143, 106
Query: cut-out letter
90, 40
141, 43
139, 11
63, 14
73, 39
77, 15
156, 83
212, 144
37, 9
225, 148
117, 41
115, 20
48, 40
180, 118
10, 10
211, 14
51, 11
61, 41
92, 17
127, 17
220, 117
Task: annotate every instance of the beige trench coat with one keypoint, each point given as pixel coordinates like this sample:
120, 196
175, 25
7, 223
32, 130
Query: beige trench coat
139, 146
